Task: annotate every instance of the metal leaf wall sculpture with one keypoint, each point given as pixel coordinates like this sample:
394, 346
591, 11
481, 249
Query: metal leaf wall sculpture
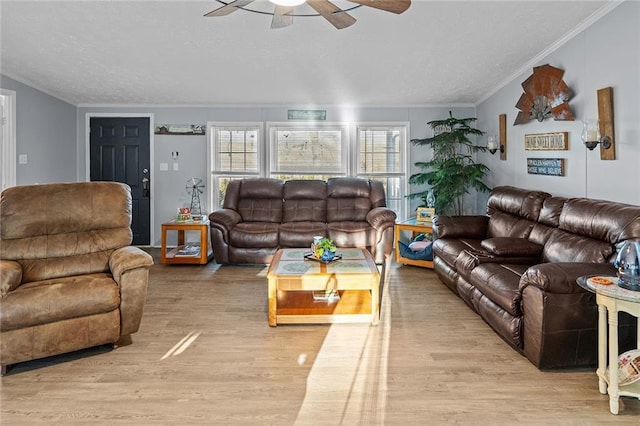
545, 95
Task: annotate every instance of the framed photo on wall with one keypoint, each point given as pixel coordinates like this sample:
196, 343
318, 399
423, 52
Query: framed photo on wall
425, 214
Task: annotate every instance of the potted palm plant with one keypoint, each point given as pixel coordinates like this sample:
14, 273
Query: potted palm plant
452, 171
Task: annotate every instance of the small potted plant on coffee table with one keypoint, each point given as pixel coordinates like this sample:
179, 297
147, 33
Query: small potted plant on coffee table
325, 250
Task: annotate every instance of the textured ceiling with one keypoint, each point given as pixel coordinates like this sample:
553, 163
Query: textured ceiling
167, 53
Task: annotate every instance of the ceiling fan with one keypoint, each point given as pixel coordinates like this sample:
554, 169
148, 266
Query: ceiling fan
283, 13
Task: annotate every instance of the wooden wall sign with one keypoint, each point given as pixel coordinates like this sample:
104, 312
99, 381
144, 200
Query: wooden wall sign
558, 141
605, 116
545, 166
502, 126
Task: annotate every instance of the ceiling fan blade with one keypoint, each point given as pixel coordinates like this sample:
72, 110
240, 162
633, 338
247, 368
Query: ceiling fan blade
228, 8
282, 16
395, 6
328, 10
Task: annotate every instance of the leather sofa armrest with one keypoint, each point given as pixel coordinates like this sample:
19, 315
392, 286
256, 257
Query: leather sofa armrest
460, 227
125, 259
561, 278
130, 269
381, 217
225, 219
10, 276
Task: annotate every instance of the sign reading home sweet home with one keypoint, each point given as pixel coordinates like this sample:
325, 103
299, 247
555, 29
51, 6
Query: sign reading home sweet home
545, 166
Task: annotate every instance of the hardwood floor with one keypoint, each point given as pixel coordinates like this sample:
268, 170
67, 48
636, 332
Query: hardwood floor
206, 355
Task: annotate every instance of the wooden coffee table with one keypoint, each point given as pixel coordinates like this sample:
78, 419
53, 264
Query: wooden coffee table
293, 282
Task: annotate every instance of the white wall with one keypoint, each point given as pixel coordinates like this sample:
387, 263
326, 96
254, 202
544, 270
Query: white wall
605, 54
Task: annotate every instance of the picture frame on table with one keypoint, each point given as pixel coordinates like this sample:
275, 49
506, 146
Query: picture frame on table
425, 214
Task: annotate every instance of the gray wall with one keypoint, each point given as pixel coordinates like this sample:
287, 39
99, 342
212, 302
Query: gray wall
46, 133
606, 54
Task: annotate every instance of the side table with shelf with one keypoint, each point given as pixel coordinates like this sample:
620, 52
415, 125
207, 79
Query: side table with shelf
415, 227
186, 253
612, 299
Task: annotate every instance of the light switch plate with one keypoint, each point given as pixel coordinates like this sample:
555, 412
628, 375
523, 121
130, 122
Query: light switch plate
22, 159
176, 167
164, 167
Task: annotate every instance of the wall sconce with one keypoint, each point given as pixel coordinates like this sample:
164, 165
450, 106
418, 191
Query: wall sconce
591, 135
492, 145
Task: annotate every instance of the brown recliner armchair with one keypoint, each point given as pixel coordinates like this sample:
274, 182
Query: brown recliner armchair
69, 278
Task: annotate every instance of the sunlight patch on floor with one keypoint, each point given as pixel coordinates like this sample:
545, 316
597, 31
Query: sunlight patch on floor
182, 345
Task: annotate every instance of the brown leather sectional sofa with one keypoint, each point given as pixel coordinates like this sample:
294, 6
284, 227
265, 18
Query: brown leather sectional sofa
517, 268
261, 215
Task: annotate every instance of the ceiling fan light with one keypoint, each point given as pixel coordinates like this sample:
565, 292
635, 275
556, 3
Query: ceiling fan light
287, 2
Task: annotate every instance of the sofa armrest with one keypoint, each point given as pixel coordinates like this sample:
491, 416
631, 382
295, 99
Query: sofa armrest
10, 276
130, 269
381, 217
126, 259
560, 278
460, 227
224, 219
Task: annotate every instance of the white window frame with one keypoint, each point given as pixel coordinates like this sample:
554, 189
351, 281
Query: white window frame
212, 150
272, 127
404, 160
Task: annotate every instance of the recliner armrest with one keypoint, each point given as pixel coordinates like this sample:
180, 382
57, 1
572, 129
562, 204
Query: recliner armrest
460, 227
126, 259
379, 217
10, 276
561, 277
225, 219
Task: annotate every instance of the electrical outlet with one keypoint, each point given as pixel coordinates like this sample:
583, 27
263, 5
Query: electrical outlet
164, 167
176, 167
22, 159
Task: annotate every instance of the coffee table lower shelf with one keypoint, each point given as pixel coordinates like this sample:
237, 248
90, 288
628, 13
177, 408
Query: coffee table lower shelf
299, 307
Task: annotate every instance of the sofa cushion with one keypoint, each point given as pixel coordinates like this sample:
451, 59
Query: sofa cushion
506, 246
499, 283
260, 200
516, 201
58, 299
300, 234
352, 234
601, 220
503, 224
304, 200
448, 249
348, 199
567, 247
254, 234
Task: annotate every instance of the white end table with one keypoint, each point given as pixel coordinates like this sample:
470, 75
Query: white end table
612, 299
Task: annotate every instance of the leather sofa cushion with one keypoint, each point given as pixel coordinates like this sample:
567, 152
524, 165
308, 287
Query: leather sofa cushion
260, 200
516, 201
348, 199
300, 234
567, 247
499, 283
601, 220
352, 234
255, 235
449, 249
503, 224
58, 299
551, 210
506, 246
304, 200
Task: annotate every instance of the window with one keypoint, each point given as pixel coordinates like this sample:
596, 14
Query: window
308, 150
381, 156
235, 153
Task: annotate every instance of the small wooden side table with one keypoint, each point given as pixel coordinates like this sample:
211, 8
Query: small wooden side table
612, 299
416, 228
199, 252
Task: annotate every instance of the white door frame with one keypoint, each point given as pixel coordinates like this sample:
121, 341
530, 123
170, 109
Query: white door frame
87, 149
8, 139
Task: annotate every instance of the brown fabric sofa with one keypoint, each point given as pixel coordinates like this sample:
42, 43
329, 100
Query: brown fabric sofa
261, 215
517, 268
68, 278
